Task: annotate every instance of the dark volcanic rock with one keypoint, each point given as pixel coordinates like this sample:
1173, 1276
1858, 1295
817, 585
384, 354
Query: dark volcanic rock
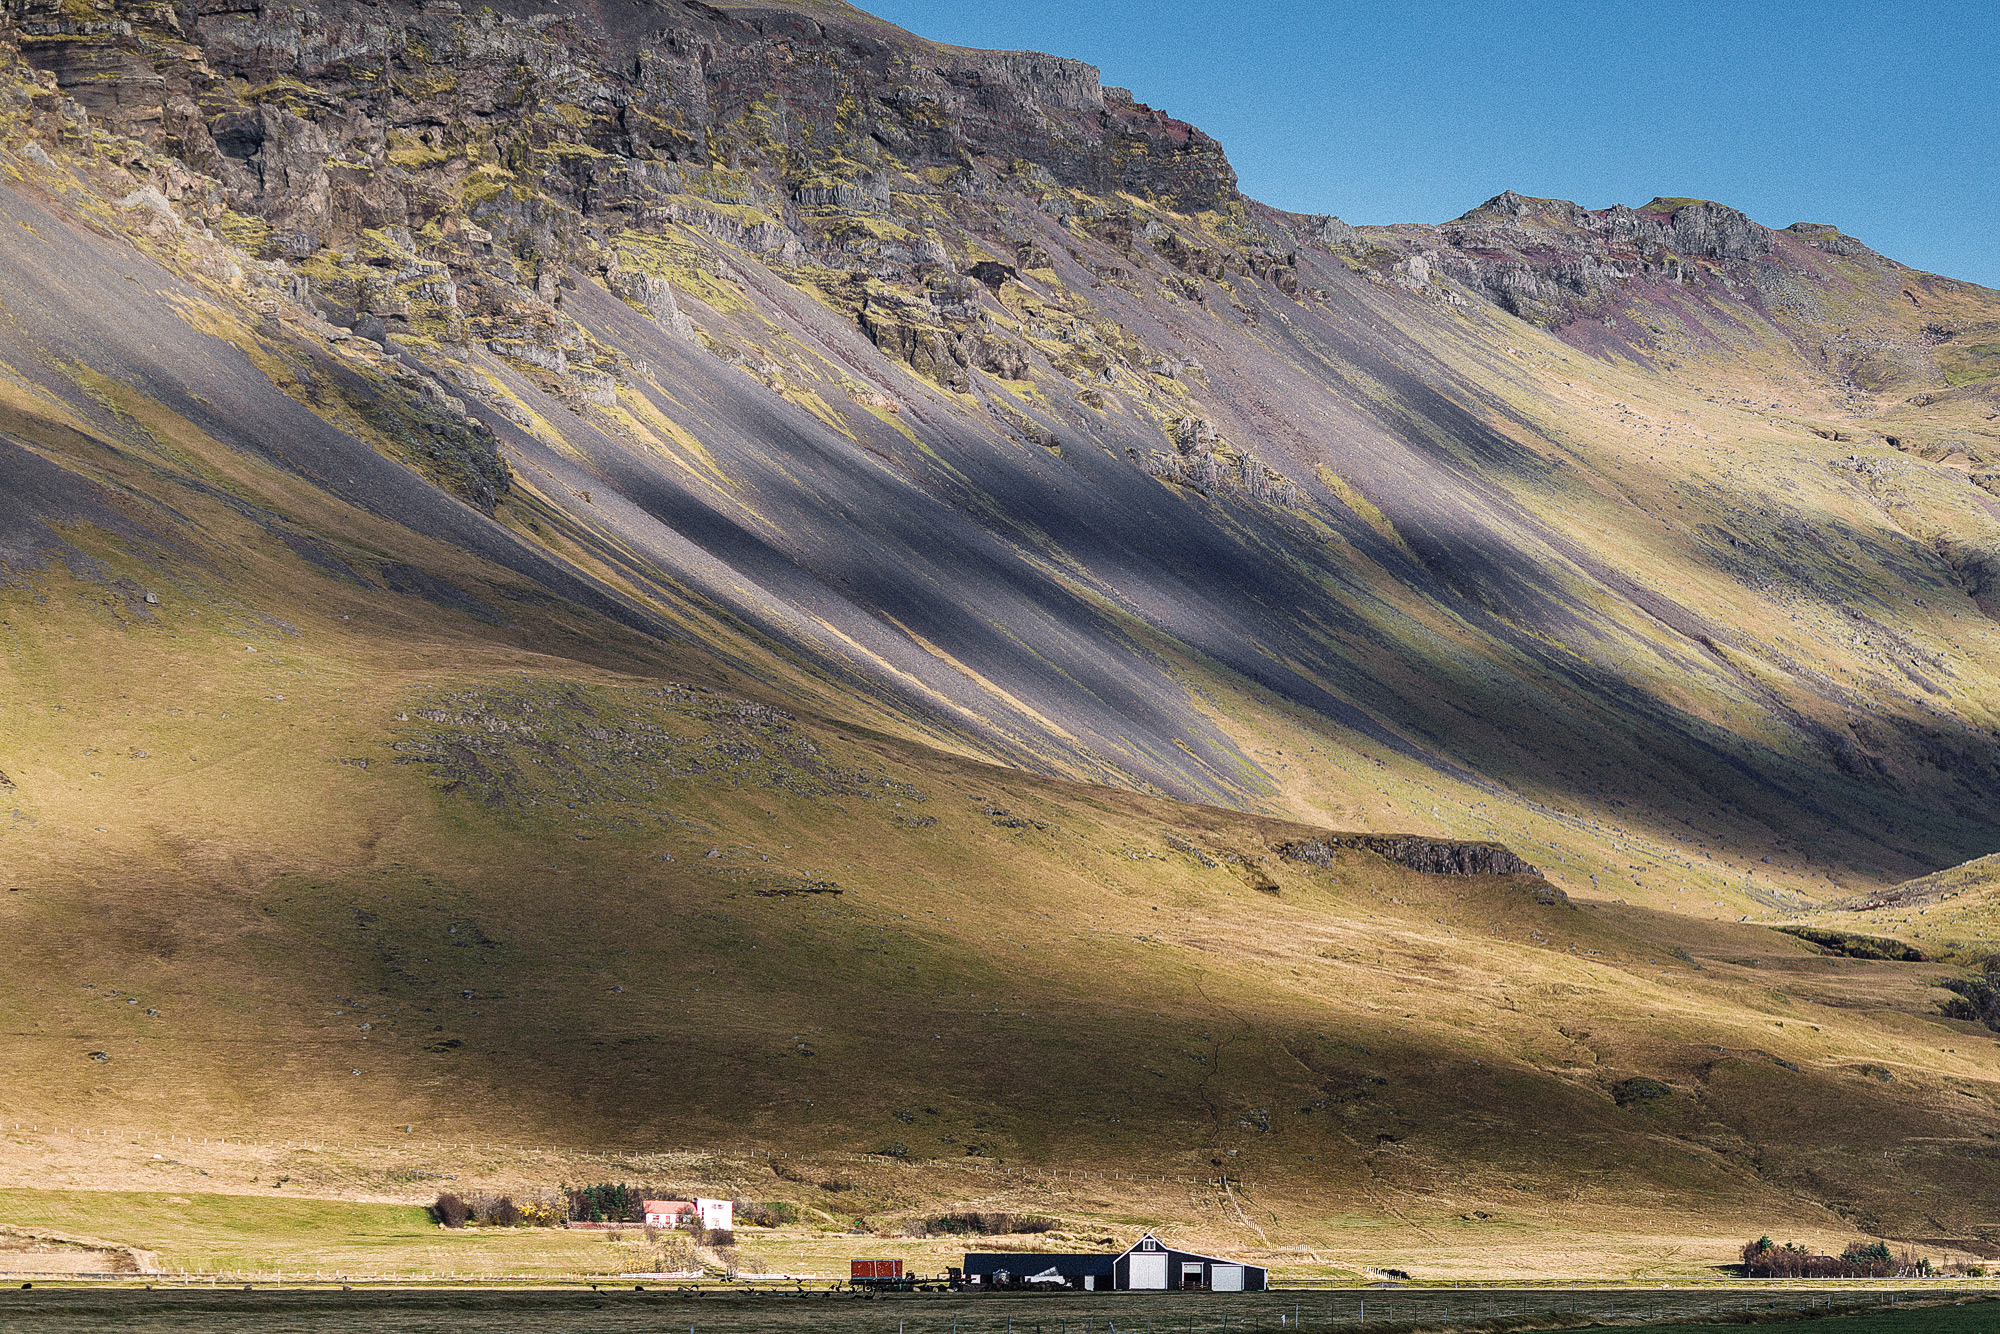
331, 118
1552, 262
1433, 856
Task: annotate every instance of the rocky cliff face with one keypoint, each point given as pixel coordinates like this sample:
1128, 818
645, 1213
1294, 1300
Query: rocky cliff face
492, 151
436, 174
1677, 281
1553, 263
331, 120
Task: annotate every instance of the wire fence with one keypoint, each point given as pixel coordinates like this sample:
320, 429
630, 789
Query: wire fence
1125, 1312
661, 1309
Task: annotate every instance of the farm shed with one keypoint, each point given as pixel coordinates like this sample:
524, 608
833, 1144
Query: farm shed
1153, 1265
1149, 1265
1025, 1269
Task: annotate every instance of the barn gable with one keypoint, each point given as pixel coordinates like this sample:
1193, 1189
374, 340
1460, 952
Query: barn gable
1149, 1264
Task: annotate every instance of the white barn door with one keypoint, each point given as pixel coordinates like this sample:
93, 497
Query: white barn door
1225, 1278
1147, 1269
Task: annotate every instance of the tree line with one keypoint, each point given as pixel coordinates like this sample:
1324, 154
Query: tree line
1763, 1258
600, 1202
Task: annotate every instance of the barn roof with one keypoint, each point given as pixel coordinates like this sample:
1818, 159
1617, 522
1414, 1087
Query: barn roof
1182, 1250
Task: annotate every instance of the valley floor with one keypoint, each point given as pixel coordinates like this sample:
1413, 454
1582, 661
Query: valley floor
251, 1226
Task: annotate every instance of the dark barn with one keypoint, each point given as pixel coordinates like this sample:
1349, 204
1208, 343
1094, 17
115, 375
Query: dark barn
1149, 1266
1021, 1269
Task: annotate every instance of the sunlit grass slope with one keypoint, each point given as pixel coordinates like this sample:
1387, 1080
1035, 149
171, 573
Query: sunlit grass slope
294, 875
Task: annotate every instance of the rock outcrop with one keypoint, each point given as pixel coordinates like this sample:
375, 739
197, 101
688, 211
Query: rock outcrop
437, 173
331, 119
1433, 856
1552, 262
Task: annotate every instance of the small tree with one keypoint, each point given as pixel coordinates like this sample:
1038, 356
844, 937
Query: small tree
606, 1203
544, 1210
1762, 1259
450, 1210
504, 1213
1868, 1259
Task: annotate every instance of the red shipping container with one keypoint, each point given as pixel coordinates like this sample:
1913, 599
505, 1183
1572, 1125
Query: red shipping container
875, 1269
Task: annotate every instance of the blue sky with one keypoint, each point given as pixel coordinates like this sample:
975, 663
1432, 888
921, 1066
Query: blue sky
1883, 119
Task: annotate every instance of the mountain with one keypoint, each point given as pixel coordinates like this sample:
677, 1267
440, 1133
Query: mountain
612, 488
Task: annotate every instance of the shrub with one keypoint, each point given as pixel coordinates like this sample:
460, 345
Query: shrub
450, 1210
1857, 947
980, 1223
547, 1210
494, 1211
1638, 1089
770, 1213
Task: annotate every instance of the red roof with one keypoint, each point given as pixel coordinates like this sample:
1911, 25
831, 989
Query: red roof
667, 1206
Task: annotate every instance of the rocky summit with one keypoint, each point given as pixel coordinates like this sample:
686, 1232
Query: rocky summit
632, 541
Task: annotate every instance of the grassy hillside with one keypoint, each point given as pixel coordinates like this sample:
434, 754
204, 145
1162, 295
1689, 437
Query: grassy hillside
721, 925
